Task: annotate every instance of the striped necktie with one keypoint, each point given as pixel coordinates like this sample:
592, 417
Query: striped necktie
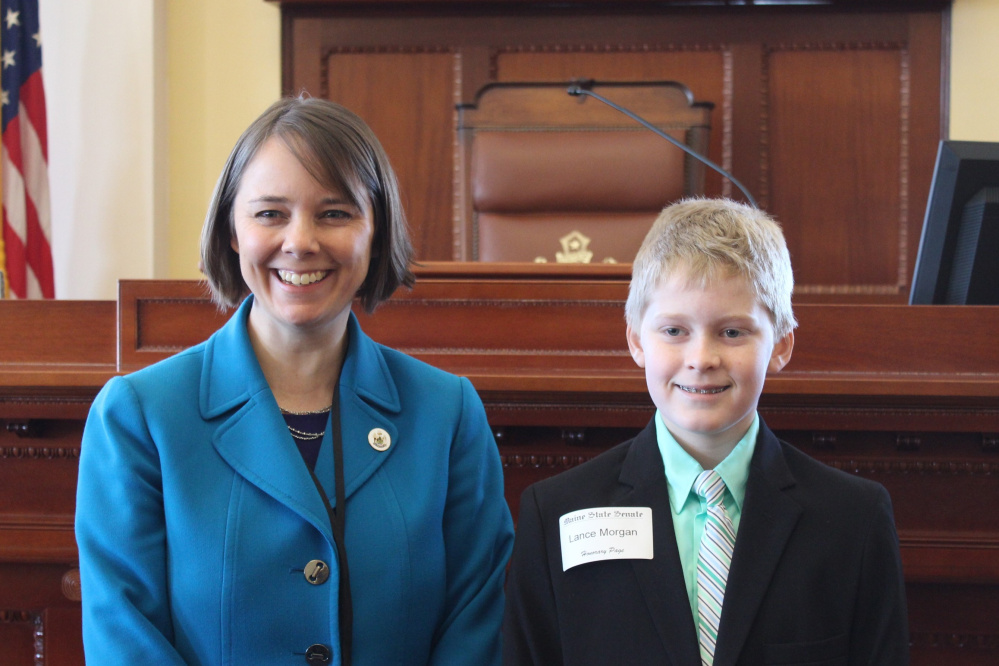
713, 561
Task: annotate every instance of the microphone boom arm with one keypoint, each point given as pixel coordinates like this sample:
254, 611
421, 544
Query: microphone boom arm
576, 90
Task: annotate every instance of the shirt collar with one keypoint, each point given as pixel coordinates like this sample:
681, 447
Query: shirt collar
682, 469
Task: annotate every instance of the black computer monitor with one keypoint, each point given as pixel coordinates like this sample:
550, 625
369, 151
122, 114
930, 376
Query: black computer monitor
958, 261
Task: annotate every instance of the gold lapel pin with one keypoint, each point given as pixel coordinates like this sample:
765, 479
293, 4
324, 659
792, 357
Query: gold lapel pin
379, 439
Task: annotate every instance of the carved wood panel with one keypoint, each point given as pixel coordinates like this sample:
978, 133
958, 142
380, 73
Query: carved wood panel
411, 110
844, 186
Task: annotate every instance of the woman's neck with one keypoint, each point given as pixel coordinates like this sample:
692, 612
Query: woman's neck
301, 367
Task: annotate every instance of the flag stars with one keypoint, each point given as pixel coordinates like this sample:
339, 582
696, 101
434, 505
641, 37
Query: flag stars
6, 97
38, 39
8, 59
13, 18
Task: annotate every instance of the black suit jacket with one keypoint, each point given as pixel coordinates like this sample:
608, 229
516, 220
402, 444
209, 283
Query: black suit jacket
815, 579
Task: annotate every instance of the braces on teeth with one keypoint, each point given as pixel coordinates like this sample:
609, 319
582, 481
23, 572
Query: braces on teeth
702, 391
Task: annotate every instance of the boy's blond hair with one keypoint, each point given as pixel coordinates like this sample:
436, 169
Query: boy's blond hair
706, 238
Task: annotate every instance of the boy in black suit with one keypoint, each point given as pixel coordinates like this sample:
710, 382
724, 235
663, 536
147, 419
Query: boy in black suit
705, 539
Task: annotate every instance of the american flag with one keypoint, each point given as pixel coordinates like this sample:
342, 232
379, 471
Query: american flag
27, 255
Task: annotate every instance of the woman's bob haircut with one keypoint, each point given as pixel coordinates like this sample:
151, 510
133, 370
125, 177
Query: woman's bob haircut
342, 153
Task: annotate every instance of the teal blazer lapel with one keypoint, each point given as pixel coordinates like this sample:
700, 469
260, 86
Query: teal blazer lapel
369, 401
661, 578
252, 436
768, 519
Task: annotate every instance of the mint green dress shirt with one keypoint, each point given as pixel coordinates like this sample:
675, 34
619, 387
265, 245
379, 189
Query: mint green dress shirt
689, 510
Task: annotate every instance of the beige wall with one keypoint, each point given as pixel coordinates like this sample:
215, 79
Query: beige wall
223, 62
105, 87
974, 85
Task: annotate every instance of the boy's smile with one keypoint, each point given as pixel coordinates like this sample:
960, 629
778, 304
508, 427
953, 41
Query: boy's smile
706, 349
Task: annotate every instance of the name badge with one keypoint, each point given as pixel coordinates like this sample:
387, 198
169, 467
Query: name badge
605, 533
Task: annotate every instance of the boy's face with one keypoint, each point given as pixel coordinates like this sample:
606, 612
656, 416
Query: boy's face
706, 351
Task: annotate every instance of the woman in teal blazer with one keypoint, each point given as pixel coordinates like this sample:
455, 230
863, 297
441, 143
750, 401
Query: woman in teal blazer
209, 516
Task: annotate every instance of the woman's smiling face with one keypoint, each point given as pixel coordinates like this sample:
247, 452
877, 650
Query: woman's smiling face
304, 250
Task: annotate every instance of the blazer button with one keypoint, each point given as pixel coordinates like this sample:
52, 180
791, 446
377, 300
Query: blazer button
317, 572
318, 654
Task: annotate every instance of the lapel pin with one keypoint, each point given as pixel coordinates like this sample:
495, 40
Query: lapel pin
379, 439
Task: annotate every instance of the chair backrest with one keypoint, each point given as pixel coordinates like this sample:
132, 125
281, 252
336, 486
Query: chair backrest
551, 177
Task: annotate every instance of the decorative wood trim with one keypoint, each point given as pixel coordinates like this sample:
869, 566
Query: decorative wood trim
867, 467
39, 640
847, 289
599, 48
895, 467
949, 642
38, 630
457, 177
763, 188
727, 116
41, 400
71, 585
905, 107
882, 411
39, 453
550, 463
545, 303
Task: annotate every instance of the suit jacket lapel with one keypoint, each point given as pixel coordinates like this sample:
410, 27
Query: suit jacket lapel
369, 400
253, 438
768, 518
661, 578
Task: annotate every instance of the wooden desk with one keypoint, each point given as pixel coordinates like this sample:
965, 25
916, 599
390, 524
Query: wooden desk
908, 396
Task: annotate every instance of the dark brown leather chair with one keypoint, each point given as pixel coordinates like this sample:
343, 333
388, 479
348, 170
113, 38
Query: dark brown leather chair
551, 177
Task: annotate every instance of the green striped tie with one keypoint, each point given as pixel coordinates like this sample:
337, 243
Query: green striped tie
713, 561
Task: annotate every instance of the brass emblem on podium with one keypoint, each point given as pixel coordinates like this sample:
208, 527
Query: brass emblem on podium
574, 249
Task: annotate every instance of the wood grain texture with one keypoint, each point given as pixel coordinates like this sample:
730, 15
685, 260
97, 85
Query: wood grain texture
407, 96
837, 119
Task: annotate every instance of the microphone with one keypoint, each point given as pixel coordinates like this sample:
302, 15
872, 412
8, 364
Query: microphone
579, 88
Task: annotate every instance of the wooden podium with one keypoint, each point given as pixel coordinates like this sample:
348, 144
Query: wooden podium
905, 395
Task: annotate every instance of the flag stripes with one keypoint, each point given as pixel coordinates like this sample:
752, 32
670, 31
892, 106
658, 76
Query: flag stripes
26, 212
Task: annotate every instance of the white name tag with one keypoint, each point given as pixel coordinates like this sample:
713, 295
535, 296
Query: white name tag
605, 533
